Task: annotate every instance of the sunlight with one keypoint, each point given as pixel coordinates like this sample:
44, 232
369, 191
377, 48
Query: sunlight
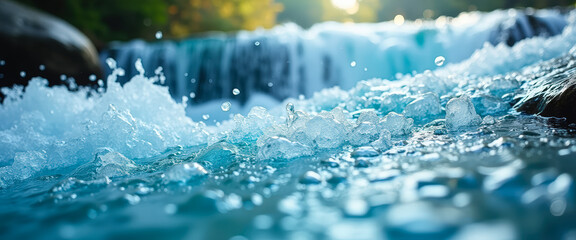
350, 6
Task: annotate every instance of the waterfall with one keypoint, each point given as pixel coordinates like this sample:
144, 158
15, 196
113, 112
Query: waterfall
288, 61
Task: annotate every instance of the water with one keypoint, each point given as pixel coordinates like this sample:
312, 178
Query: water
288, 61
436, 155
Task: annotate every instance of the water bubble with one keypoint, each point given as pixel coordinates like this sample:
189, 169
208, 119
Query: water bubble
158, 70
365, 69
158, 35
270, 84
22, 74
63, 77
235, 91
257, 43
139, 67
439, 61
170, 208
192, 95
225, 106
42, 67
92, 77
353, 64
291, 114
205, 116
111, 63
193, 80
2, 62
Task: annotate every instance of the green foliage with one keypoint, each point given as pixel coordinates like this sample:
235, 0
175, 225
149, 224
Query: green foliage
107, 20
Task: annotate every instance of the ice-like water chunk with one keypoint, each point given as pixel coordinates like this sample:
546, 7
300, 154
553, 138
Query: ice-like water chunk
185, 172
427, 106
364, 133
460, 113
489, 105
326, 132
106, 163
397, 124
282, 148
218, 155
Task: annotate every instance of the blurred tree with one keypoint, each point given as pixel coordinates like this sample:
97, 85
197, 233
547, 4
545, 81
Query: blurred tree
302, 12
193, 16
107, 20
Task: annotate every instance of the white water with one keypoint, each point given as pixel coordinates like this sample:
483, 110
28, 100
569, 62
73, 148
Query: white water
45, 129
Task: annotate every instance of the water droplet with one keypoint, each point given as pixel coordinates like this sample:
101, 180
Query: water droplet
256, 43
42, 67
22, 74
111, 63
92, 77
192, 95
205, 116
353, 64
139, 67
226, 106
290, 108
439, 61
170, 208
158, 35
270, 84
311, 177
235, 91
158, 70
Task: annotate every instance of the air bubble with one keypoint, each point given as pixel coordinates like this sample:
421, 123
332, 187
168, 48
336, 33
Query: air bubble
205, 116
235, 91
353, 64
439, 61
226, 106
158, 35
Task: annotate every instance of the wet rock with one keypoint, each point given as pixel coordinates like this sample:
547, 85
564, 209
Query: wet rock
527, 25
554, 94
37, 44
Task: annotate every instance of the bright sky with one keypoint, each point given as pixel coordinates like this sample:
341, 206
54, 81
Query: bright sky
350, 6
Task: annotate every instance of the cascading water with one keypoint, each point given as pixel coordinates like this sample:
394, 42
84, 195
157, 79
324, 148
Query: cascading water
288, 61
440, 154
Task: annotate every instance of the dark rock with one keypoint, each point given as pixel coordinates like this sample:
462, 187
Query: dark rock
553, 94
42, 45
527, 25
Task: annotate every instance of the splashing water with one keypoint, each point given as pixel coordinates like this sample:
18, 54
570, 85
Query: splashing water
414, 158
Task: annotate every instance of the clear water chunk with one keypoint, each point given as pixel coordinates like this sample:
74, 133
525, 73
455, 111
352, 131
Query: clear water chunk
185, 172
460, 113
397, 124
425, 107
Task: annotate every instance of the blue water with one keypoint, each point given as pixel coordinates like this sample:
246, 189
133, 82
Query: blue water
439, 154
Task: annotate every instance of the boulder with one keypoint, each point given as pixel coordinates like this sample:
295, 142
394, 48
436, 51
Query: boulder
33, 44
552, 94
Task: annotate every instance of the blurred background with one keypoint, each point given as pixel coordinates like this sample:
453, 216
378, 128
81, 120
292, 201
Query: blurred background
108, 20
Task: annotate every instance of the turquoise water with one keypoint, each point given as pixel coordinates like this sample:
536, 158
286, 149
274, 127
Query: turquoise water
436, 155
